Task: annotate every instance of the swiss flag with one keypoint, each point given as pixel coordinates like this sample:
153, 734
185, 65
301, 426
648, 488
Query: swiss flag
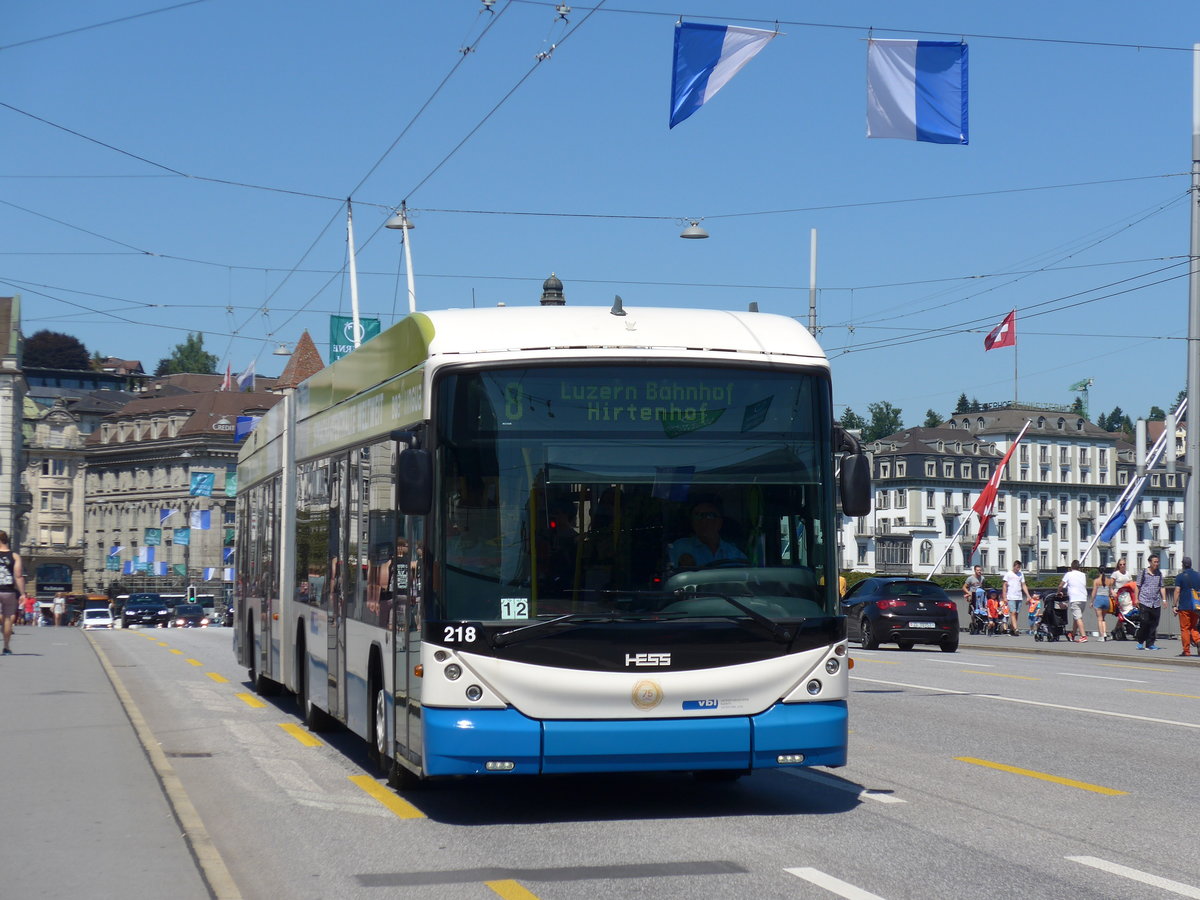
1004, 334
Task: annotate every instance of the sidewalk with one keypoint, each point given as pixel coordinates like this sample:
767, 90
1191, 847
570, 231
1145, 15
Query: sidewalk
84, 814
1168, 652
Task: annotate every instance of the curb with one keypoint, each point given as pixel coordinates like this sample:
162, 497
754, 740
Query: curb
1155, 656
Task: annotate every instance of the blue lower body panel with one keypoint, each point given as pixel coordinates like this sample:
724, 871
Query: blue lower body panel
461, 742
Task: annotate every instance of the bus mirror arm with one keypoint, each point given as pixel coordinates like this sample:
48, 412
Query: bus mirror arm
855, 476
408, 438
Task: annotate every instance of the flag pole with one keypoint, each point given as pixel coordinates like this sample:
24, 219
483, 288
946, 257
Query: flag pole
1191, 496
949, 547
353, 274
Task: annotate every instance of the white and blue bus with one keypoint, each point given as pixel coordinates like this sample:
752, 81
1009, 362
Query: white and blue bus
557, 539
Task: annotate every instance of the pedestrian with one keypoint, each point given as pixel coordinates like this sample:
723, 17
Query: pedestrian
1035, 610
30, 606
1014, 589
973, 583
60, 607
993, 611
1120, 576
1075, 584
12, 589
1150, 600
1102, 601
1187, 591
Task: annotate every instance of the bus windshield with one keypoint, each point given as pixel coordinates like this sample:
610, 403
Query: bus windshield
639, 491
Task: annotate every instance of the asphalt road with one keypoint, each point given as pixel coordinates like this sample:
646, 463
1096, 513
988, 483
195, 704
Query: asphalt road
1005, 769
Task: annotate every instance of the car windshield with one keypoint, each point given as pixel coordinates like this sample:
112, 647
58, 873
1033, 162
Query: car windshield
598, 490
97, 614
913, 590
189, 609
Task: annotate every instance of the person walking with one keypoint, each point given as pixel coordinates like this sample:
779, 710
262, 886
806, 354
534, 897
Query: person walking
1102, 601
60, 608
1075, 584
1014, 589
973, 583
1150, 601
1120, 575
1187, 592
12, 589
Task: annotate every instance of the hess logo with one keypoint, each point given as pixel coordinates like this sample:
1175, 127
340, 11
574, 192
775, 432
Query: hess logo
647, 659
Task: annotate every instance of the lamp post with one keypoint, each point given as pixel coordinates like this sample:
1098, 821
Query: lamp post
401, 221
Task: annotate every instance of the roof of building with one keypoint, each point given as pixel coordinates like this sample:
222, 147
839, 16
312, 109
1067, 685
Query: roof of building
204, 411
305, 361
122, 366
925, 440
1009, 420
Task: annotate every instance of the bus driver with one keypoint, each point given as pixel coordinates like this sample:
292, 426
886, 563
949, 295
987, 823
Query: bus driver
704, 545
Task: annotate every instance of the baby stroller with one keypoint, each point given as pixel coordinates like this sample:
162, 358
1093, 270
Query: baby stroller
1053, 620
979, 614
1127, 623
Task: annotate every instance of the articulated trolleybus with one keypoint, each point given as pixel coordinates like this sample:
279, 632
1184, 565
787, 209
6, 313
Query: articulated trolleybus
557, 539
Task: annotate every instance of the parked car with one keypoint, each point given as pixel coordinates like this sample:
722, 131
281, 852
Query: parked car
902, 610
145, 609
189, 615
97, 618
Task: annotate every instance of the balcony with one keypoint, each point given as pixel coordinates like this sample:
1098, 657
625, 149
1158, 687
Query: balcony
951, 510
1174, 518
1085, 514
863, 529
1048, 511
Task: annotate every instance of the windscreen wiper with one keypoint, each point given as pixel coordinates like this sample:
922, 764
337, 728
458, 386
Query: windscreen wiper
776, 630
527, 631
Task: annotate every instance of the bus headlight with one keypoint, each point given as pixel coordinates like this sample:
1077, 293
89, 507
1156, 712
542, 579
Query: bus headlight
832, 666
814, 687
453, 671
474, 692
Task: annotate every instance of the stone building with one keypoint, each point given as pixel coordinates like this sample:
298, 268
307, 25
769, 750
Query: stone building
1059, 488
14, 499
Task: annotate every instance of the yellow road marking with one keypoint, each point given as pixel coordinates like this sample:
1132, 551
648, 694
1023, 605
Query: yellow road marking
1143, 668
510, 890
177, 652
163, 644
251, 701
195, 662
298, 733
1163, 694
402, 808
219, 679
1000, 675
1082, 785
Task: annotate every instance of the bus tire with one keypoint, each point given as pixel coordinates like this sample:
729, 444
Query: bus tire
377, 747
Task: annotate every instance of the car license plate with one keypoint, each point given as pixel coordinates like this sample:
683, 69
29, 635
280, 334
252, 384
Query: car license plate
920, 625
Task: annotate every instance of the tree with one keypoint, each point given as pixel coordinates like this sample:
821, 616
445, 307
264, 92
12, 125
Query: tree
963, 405
932, 419
96, 363
1156, 414
976, 406
1102, 422
852, 420
885, 420
1077, 406
1118, 421
189, 357
55, 350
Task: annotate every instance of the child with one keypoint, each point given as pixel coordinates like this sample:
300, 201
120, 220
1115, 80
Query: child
1035, 610
993, 610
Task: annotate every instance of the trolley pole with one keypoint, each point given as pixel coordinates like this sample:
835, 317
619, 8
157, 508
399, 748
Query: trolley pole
1191, 500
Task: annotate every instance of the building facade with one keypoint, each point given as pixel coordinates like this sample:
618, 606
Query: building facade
1060, 486
14, 499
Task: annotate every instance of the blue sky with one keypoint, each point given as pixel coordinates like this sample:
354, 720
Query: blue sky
307, 98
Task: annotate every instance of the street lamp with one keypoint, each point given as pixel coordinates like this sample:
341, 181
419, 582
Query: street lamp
694, 232
401, 222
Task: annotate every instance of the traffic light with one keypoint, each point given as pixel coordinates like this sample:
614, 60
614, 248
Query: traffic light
191, 593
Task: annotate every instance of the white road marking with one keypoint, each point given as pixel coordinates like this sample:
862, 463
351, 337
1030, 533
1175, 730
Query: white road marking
1095, 712
833, 885
1101, 677
836, 784
957, 662
1166, 884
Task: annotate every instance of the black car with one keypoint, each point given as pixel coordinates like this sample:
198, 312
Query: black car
145, 609
906, 611
189, 615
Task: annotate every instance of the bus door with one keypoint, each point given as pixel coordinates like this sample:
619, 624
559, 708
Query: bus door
406, 589
341, 578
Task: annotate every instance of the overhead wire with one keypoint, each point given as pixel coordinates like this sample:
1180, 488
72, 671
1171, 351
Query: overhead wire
58, 34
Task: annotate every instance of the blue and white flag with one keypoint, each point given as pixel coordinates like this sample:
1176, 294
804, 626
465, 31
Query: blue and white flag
160, 568
245, 381
227, 554
209, 572
145, 556
706, 57
164, 514
115, 550
243, 426
1121, 514
917, 91
127, 567
201, 519
229, 573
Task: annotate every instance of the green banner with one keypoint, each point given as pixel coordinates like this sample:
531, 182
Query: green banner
341, 334
230, 483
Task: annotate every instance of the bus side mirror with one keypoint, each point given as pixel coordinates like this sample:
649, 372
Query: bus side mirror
856, 484
414, 482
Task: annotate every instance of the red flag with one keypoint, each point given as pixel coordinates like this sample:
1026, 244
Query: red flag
1004, 334
987, 497
227, 384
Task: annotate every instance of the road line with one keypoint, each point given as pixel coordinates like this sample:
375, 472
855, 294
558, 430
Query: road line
177, 652
1175, 887
401, 807
955, 662
833, 885
1094, 712
1101, 677
1141, 668
219, 679
251, 701
1162, 693
839, 785
1001, 675
297, 732
163, 644
208, 858
195, 662
1042, 776
510, 890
